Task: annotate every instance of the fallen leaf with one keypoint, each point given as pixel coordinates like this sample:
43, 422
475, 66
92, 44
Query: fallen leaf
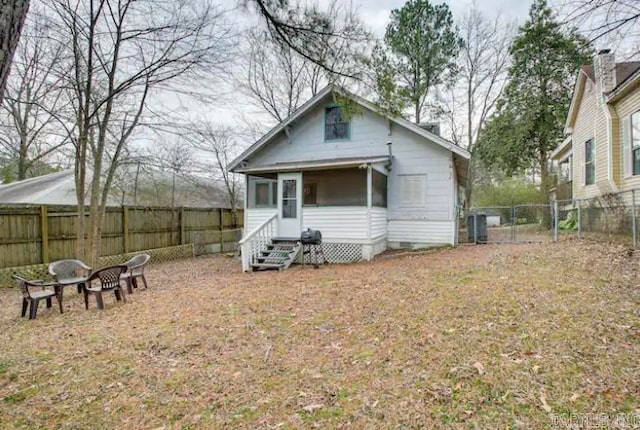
313, 407
545, 405
479, 367
574, 397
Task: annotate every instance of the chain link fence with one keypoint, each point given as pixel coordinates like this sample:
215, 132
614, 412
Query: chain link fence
610, 217
507, 224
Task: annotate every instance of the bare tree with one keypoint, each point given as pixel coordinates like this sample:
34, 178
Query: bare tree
176, 158
33, 101
119, 51
306, 28
218, 143
612, 20
279, 79
483, 64
276, 78
12, 16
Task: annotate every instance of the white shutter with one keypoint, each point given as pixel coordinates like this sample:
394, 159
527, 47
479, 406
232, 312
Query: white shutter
413, 190
626, 147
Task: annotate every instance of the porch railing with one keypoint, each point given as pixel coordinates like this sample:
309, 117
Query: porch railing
254, 243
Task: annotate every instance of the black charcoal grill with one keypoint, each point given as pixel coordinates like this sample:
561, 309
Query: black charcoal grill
311, 241
311, 237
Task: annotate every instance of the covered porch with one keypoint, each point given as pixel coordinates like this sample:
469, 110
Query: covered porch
345, 199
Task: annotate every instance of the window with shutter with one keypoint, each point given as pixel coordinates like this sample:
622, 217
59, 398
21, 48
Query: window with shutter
413, 190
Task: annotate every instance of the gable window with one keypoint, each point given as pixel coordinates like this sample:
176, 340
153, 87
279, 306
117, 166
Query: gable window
635, 142
265, 194
336, 127
589, 163
413, 190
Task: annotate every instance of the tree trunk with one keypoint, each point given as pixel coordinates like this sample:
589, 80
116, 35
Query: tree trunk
12, 16
544, 175
468, 190
418, 112
23, 159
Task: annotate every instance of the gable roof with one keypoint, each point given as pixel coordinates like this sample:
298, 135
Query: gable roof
626, 73
315, 100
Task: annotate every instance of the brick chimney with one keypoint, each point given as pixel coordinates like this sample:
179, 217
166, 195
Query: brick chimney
604, 67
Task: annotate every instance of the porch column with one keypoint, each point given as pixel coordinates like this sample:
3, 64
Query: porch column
245, 205
369, 199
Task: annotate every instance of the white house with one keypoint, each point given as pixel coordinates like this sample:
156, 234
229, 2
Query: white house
367, 182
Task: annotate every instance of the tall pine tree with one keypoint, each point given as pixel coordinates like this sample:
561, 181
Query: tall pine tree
529, 120
421, 48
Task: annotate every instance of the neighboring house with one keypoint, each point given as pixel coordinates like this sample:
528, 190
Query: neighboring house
60, 189
367, 182
601, 151
52, 189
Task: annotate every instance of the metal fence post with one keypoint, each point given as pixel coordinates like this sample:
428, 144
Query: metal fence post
633, 217
475, 227
555, 220
513, 223
579, 221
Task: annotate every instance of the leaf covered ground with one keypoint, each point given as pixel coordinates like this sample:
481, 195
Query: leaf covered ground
493, 336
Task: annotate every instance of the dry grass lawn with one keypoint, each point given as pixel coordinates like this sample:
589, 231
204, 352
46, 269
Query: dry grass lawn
494, 336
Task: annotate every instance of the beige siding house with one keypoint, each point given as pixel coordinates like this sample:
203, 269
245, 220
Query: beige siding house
601, 150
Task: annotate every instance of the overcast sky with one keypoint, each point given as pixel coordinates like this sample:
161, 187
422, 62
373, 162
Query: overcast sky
375, 15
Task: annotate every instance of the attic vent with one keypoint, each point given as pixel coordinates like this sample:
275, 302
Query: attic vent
432, 127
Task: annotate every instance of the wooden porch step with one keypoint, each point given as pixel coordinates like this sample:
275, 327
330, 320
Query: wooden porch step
276, 251
266, 266
272, 258
279, 254
290, 240
280, 247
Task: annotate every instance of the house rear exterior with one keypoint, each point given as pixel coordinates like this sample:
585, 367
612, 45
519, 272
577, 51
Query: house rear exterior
601, 150
368, 183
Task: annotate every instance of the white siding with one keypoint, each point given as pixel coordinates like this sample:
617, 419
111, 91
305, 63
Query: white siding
255, 217
378, 222
337, 223
413, 155
425, 232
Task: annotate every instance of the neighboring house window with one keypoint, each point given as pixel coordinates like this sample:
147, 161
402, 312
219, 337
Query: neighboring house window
336, 127
310, 193
564, 168
266, 194
413, 190
589, 163
635, 142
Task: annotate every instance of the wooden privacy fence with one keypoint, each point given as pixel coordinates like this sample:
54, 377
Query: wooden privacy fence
32, 235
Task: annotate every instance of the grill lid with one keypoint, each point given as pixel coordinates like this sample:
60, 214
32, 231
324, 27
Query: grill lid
311, 237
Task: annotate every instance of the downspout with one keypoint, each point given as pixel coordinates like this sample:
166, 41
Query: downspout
610, 115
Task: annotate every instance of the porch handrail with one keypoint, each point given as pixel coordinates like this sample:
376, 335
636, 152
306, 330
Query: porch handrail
253, 243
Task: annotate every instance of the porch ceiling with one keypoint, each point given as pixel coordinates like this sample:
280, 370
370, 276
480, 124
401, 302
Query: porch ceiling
333, 163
